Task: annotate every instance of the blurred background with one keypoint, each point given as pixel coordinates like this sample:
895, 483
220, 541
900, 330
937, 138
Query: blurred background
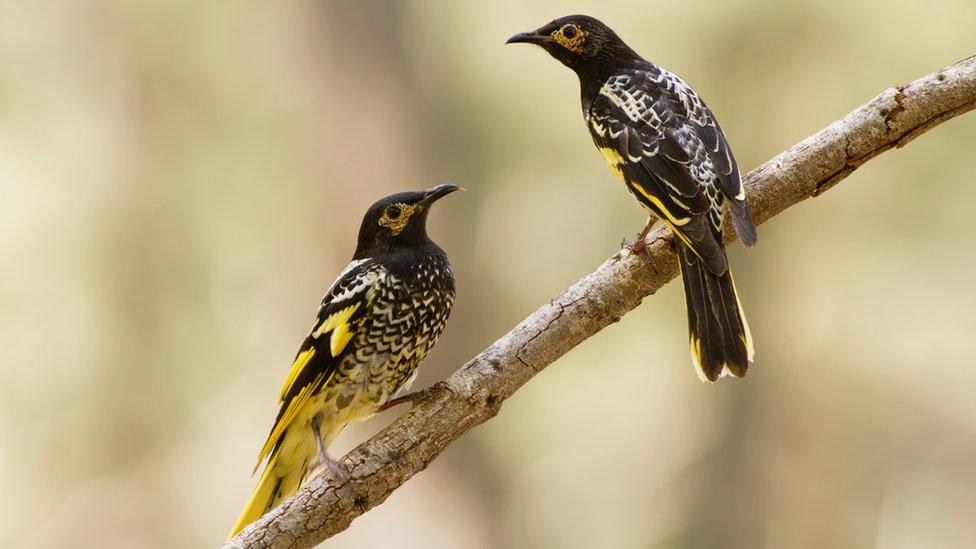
181, 181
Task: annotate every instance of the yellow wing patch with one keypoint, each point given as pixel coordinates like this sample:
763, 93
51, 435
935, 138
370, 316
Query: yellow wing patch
679, 221
614, 160
340, 337
294, 406
338, 324
669, 223
296, 369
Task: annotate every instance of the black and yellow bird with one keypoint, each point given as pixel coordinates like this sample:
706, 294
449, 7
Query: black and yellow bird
376, 324
658, 136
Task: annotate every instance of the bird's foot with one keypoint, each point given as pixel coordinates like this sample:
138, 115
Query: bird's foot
336, 469
638, 246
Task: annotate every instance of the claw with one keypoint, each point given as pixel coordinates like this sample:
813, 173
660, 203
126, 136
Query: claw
639, 246
338, 471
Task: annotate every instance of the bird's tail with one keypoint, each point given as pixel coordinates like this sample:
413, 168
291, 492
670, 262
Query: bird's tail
720, 339
286, 470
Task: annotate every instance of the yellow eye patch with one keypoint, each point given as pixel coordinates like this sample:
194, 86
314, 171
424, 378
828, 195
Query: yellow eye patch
570, 37
396, 216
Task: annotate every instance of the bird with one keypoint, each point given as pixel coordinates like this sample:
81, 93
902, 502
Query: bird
375, 325
660, 138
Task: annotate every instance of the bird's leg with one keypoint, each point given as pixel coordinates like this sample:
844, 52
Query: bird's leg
338, 471
400, 400
409, 397
639, 246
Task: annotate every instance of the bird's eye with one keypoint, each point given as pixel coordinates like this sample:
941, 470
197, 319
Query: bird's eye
569, 31
393, 212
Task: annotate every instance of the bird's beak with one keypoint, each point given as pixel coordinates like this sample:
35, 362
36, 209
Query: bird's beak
532, 37
438, 192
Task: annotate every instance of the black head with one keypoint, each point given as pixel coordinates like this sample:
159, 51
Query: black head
398, 221
580, 42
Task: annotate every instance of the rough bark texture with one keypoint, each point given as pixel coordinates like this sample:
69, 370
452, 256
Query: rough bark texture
474, 394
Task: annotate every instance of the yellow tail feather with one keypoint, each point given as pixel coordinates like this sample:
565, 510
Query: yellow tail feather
261, 498
295, 455
287, 468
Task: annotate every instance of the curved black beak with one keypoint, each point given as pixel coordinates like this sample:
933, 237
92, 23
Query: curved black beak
526, 37
438, 192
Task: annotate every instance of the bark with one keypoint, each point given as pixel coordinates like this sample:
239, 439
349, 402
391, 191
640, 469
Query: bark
474, 393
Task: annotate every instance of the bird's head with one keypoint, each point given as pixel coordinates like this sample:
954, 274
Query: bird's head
399, 220
580, 42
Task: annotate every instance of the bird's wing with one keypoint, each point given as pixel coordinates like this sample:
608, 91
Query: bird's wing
343, 312
727, 171
719, 152
647, 128
717, 165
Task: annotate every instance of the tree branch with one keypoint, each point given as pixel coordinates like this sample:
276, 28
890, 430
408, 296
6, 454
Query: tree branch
474, 393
